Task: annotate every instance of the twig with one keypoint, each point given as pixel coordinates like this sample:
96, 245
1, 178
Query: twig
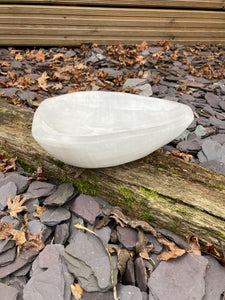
78, 226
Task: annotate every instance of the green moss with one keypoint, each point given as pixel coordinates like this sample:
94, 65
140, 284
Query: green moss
173, 171
6, 112
220, 235
26, 168
182, 212
89, 187
215, 186
160, 169
56, 162
128, 196
154, 194
146, 216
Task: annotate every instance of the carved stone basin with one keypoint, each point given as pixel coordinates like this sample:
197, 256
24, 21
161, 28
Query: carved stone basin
102, 129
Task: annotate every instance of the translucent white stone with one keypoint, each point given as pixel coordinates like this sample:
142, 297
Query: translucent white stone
102, 129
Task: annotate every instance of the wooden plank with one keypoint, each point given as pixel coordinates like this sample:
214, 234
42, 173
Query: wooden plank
100, 11
109, 31
202, 4
18, 19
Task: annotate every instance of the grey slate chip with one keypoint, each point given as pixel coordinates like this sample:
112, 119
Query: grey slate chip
87, 259
61, 233
63, 194
212, 150
220, 138
41, 189
129, 275
157, 247
8, 189
54, 216
212, 99
9, 220
214, 165
98, 296
127, 236
214, 279
30, 205
140, 274
35, 226
218, 123
8, 292
180, 278
86, 207
129, 292
25, 257
6, 244
21, 181
7, 256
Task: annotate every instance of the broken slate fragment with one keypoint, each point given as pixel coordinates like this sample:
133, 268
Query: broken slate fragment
6, 244
35, 226
54, 216
63, 194
7, 256
200, 130
25, 257
9, 189
214, 279
129, 275
129, 292
140, 274
61, 233
98, 296
86, 207
157, 247
88, 260
127, 236
214, 165
211, 150
8, 292
140, 84
20, 181
30, 205
179, 278
41, 189
9, 220
217, 123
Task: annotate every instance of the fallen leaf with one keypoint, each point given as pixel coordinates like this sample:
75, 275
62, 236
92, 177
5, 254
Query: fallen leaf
16, 206
77, 291
173, 252
42, 80
123, 256
39, 210
211, 250
18, 236
186, 157
34, 242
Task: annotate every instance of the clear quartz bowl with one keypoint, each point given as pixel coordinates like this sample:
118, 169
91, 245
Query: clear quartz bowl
102, 129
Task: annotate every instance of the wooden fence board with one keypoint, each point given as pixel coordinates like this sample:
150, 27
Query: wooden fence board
49, 25
193, 4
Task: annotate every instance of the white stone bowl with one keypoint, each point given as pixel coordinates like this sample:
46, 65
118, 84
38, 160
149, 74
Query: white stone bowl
102, 129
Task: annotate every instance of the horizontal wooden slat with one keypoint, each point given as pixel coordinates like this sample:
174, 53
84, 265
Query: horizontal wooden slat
109, 31
75, 41
18, 19
45, 25
202, 4
100, 11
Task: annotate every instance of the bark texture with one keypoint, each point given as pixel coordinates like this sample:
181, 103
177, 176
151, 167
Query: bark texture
163, 190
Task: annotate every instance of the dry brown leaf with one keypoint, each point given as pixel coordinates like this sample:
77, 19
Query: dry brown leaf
173, 252
39, 210
186, 157
77, 291
123, 256
7, 164
57, 56
42, 80
211, 250
34, 241
16, 206
18, 236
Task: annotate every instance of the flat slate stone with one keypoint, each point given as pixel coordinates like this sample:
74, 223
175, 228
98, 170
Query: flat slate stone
41, 189
212, 150
63, 194
180, 278
87, 259
157, 247
7, 256
86, 207
127, 236
61, 233
9, 189
129, 275
25, 257
214, 165
8, 292
46, 285
9, 220
220, 138
212, 99
20, 181
98, 296
214, 279
218, 123
200, 131
30, 205
6, 244
104, 233
54, 216
140, 274
129, 292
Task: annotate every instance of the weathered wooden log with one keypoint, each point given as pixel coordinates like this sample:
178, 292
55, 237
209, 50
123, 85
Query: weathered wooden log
163, 190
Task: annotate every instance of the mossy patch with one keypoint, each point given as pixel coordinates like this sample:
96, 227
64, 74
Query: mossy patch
88, 187
127, 196
154, 194
28, 169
